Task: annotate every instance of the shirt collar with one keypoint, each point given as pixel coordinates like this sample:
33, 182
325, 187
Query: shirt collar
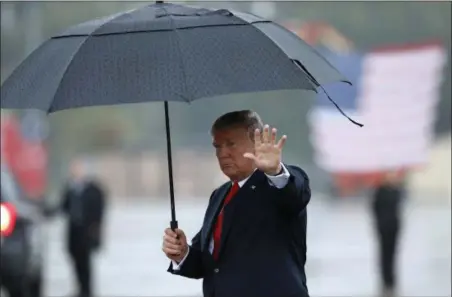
243, 181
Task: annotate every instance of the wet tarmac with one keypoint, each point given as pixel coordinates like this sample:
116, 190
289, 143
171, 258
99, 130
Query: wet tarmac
341, 251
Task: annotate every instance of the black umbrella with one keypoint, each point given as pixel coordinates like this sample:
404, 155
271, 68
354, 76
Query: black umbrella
164, 52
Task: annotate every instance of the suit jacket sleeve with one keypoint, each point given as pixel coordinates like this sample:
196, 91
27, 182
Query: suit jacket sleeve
64, 206
192, 266
98, 203
295, 196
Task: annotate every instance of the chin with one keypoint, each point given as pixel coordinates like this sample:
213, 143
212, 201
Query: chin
229, 172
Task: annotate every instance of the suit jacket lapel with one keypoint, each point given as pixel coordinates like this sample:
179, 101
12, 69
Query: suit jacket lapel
217, 201
244, 191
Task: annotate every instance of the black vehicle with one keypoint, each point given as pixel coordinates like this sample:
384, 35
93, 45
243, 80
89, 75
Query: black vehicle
22, 226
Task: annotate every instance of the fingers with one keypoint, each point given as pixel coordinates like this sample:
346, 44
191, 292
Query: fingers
281, 142
173, 242
273, 136
257, 137
266, 134
178, 233
169, 232
249, 156
173, 250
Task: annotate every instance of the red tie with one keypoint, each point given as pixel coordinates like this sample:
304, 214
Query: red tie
219, 223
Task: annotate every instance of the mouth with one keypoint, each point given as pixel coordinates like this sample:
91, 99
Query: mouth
224, 166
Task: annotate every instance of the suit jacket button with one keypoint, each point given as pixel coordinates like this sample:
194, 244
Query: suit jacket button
216, 270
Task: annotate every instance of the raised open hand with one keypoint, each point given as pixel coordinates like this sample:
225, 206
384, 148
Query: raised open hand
267, 153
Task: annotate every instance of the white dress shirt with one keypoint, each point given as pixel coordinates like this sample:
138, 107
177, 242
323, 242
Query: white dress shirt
278, 181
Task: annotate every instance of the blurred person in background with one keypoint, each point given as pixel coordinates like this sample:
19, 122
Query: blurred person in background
253, 239
386, 209
83, 202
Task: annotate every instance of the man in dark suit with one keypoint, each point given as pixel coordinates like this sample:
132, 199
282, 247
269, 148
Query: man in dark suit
83, 202
387, 205
253, 239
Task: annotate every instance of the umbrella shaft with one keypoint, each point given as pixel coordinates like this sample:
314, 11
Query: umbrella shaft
173, 223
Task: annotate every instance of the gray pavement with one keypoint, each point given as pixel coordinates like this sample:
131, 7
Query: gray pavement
340, 252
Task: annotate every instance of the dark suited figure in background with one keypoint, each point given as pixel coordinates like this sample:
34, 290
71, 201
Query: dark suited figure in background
387, 212
253, 239
83, 203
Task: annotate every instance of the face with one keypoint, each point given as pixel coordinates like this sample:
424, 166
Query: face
230, 145
392, 178
77, 170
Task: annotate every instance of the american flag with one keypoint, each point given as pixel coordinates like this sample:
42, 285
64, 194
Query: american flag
394, 94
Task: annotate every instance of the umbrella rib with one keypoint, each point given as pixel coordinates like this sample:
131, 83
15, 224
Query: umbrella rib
111, 20
158, 30
65, 72
312, 78
181, 60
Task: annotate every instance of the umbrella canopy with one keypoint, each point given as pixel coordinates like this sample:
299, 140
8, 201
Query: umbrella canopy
164, 52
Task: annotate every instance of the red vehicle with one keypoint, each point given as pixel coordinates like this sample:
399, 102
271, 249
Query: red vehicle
23, 150
23, 183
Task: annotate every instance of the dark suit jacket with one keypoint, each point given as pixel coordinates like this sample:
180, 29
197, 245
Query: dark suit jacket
386, 204
92, 199
263, 248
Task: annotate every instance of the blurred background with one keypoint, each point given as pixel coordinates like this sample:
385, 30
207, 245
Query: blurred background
398, 56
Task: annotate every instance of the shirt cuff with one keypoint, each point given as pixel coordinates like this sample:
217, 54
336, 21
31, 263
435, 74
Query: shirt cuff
281, 180
178, 266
